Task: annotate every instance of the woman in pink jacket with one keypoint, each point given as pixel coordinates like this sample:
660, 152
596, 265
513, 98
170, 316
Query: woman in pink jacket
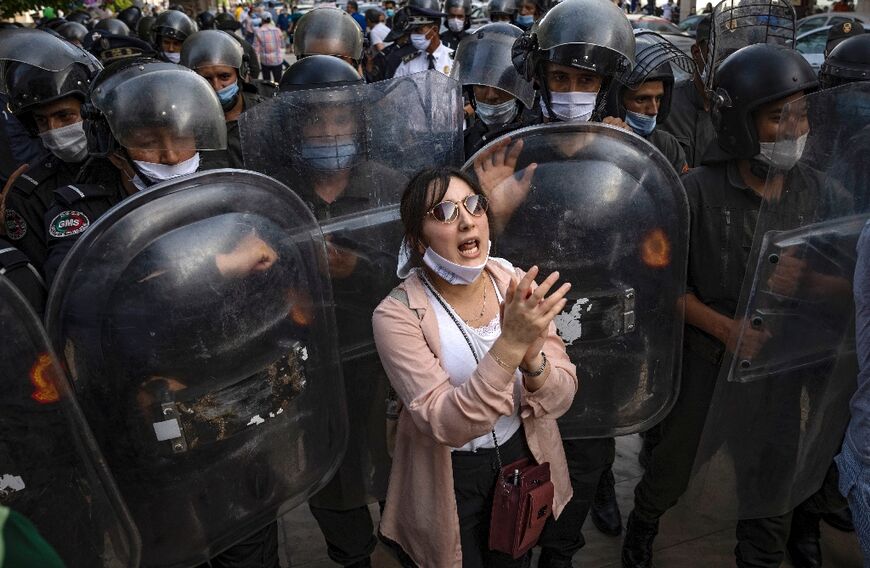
458, 306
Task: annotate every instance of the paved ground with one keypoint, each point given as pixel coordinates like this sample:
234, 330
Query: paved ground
685, 539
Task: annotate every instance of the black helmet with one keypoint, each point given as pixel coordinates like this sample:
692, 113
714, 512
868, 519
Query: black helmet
112, 26
328, 31
171, 24
52, 24
226, 22
130, 16
137, 93
508, 7
79, 17
143, 30
73, 32
318, 71
213, 47
654, 56
748, 78
847, 63
464, 4
422, 12
205, 20
109, 48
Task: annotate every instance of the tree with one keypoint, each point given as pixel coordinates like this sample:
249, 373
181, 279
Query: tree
10, 8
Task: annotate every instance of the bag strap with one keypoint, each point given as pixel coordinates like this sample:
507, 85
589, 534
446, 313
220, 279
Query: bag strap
455, 319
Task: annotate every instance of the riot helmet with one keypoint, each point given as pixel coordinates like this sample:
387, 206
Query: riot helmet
847, 63
156, 112
466, 9
738, 23
749, 78
39, 68
52, 24
206, 51
502, 10
225, 21
80, 17
130, 16
591, 36
483, 62
143, 29
328, 31
205, 20
112, 26
171, 27
318, 71
73, 32
654, 56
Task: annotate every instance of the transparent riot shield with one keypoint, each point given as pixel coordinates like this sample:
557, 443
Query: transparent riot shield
50, 468
738, 23
196, 320
607, 211
348, 152
780, 406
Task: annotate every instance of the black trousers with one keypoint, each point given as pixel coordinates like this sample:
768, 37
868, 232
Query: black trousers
259, 550
474, 475
350, 534
670, 462
271, 72
587, 460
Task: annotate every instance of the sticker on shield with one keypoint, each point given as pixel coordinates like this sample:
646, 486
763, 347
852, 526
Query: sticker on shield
16, 228
68, 223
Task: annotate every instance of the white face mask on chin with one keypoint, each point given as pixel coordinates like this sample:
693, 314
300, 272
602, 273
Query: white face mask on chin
69, 143
161, 172
453, 273
782, 155
173, 57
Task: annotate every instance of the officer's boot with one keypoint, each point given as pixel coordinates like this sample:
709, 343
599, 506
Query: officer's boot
605, 509
638, 543
803, 540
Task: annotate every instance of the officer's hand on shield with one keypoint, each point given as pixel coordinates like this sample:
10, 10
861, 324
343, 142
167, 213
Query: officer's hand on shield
751, 341
527, 312
342, 261
788, 274
252, 254
619, 123
495, 169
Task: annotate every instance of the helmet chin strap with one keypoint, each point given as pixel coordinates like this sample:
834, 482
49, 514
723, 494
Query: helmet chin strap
759, 169
145, 179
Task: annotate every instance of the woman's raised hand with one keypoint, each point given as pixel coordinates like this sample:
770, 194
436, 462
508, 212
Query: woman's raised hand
527, 310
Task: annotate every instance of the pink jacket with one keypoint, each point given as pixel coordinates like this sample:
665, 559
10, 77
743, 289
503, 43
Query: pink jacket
420, 513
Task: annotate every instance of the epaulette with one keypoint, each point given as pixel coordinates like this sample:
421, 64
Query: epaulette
69, 194
11, 259
410, 57
35, 175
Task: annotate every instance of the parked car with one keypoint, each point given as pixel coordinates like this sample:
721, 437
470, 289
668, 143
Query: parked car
830, 19
811, 44
670, 31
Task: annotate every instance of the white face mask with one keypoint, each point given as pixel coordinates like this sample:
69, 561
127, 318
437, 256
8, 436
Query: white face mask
173, 57
456, 25
69, 143
420, 42
450, 271
161, 172
571, 106
495, 115
782, 155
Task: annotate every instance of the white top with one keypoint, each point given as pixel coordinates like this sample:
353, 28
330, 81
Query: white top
378, 33
459, 364
443, 62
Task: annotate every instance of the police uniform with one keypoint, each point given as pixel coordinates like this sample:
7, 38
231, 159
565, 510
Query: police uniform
15, 266
393, 56
31, 195
479, 134
690, 123
451, 39
421, 61
668, 145
232, 156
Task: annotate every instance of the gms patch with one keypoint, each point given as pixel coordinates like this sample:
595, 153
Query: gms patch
68, 223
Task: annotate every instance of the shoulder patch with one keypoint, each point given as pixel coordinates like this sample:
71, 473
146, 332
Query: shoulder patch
68, 223
16, 227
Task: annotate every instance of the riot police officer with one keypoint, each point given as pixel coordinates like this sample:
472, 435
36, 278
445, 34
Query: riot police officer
423, 23
131, 16
206, 21
217, 57
177, 114
503, 11
496, 91
725, 194
458, 21
73, 32
112, 26
848, 62
329, 31
168, 33
643, 98
400, 48
47, 81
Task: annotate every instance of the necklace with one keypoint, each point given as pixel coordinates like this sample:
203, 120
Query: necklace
482, 308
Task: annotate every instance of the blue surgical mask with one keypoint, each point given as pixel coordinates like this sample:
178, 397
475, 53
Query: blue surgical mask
390, 13
494, 115
525, 22
642, 124
420, 42
227, 95
330, 155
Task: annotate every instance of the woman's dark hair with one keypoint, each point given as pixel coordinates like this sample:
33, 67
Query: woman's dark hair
417, 199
